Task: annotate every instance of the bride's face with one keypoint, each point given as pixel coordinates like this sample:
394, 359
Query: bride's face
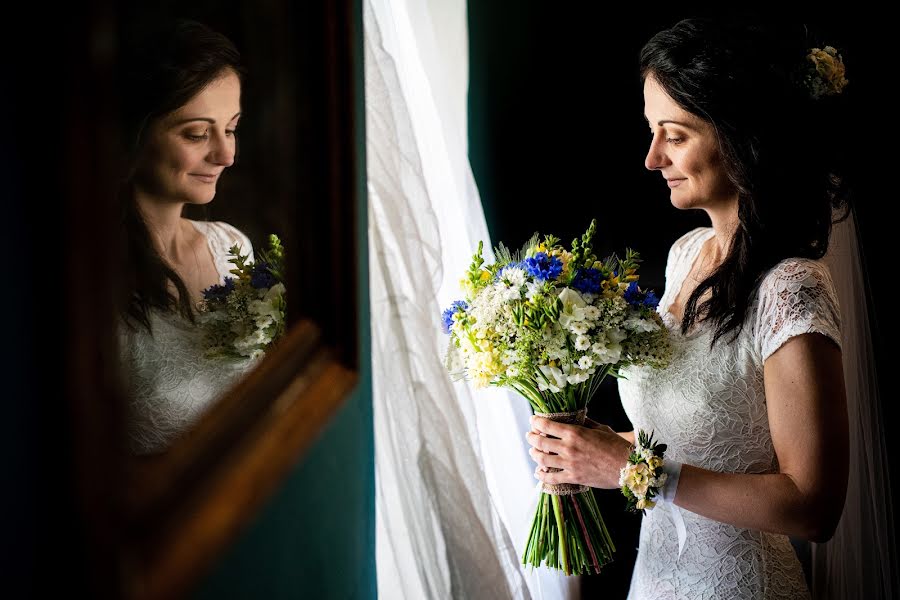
685, 150
187, 150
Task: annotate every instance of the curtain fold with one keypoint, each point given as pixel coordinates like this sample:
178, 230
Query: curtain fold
454, 484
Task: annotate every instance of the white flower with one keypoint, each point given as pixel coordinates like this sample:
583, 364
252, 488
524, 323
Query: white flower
454, 360
658, 481
573, 307
579, 328
532, 289
640, 325
556, 379
616, 335
607, 352
582, 343
623, 476
577, 376
585, 362
591, 313
515, 276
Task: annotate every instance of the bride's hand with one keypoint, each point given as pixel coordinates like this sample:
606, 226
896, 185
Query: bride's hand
591, 456
592, 424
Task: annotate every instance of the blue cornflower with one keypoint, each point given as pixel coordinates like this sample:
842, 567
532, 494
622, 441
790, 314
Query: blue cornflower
635, 297
261, 277
543, 267
447, 317
219, 292
587, 280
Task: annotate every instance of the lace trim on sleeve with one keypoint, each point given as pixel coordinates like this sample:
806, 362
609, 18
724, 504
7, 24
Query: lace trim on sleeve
797, 297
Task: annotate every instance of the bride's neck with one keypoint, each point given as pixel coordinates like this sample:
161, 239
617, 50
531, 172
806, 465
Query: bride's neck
724, 223
165, 225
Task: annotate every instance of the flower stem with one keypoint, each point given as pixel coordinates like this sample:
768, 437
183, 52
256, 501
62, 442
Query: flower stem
561, 527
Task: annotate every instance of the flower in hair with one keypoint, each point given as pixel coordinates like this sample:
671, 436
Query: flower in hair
825, 72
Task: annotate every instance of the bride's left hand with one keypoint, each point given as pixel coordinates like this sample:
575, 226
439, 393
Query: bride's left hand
589, 456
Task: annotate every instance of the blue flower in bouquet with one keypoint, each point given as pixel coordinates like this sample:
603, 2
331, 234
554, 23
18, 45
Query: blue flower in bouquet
219, 292
635, 297
246, 315
261, 276
587, 281
542, 266
447, 318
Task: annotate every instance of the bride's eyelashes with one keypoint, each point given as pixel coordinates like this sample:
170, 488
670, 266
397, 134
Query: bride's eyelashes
197, 137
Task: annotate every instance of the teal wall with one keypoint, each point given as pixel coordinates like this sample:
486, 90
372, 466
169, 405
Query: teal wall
315, 539
316, 536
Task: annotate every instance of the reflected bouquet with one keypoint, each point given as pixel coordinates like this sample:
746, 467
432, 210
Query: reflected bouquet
245, 315
551, 324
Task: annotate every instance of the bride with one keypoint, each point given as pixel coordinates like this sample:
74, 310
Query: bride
182, 103
754, 407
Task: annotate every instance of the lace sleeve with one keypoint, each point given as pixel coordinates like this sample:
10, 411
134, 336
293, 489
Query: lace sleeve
796, 297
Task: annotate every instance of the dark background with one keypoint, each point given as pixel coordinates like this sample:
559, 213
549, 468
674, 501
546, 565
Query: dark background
557, 137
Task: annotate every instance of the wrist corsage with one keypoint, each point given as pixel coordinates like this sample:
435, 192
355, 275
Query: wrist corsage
642, 478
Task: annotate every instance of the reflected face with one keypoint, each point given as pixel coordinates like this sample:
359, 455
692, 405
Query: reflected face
685, 150
187, 150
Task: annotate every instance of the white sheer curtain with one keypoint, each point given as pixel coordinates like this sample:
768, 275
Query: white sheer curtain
452, 505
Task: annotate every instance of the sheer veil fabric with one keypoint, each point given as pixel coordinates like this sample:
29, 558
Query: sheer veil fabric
454, 482
860, 561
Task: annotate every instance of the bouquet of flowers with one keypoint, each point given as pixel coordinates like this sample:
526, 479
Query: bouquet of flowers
551, 323
246, 315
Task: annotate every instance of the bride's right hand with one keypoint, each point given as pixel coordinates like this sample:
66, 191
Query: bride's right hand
592, 424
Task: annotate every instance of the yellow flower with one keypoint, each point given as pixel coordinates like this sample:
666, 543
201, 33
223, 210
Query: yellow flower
644, 503
640, 488
829, 69
566, 258
467, 287
654, 462
482, 380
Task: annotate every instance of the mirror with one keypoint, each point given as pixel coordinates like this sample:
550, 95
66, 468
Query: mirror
155, 520
203, 291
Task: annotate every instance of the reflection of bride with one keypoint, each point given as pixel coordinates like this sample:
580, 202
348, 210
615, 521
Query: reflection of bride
181, 95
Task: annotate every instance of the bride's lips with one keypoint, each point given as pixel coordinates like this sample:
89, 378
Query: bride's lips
205, 178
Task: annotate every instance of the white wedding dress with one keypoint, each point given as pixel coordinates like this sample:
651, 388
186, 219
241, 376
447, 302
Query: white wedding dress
710, 408
169, 381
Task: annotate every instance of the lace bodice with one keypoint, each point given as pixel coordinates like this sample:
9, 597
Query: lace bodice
169, 380
710, 408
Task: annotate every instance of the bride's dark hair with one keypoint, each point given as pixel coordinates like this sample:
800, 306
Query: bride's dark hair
160, 71
780, 152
